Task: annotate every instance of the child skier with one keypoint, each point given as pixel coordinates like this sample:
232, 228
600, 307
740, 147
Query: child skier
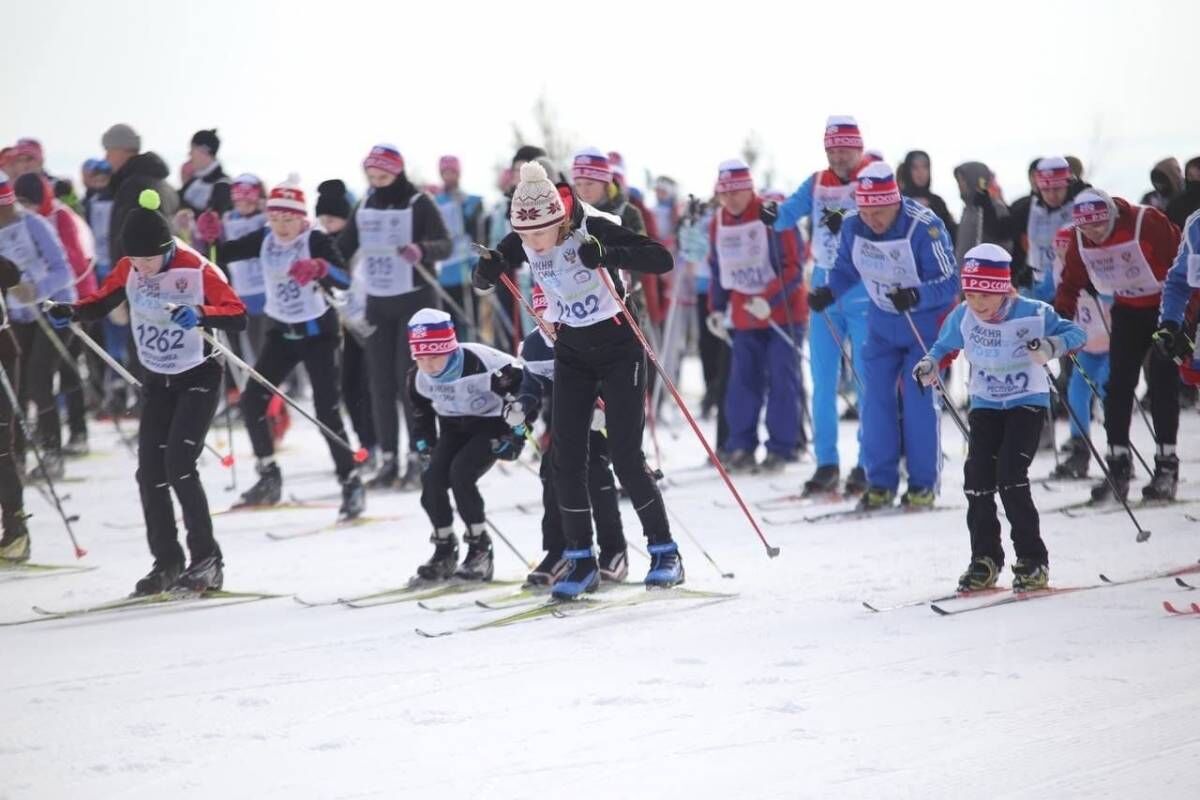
1007, 339
246, 275
460, 396
537, 354
299, 264
597, 354
180, 390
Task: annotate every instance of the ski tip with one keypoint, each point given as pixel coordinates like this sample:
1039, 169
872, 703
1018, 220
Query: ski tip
1171, 609
431, 634
1196, 608
870, 607
941, 612
1106, 579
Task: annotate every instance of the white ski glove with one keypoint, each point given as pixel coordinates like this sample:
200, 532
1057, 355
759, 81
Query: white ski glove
715, 322
758, 307
599, 421
925, 371
1045, 349
514, 413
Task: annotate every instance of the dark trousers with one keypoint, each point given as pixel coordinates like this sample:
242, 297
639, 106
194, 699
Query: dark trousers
177, 411
1000, 450
71, 386
605, 360
356, 391
279, 357
462, 455
1132, 329
389, 359
11, 493
602, 491
39, 362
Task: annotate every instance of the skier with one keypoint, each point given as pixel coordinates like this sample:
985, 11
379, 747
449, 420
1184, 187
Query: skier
180, 393
29, 241
1033, 221
463, 215
1125, 251
299, 265
197, 194
901, 252
245, 275
398, 229
1007, 340
756, 276
461, 399
14, 544
1175, 337
825, 198
566, 243
537, 386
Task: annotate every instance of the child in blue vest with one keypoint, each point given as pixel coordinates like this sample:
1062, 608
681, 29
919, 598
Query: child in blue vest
1008, 340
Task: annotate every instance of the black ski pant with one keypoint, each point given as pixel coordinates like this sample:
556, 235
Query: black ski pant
177, 411
1132, 332
356, 391
39, 362
71, 387
1001, 448
604, 359
389, 358
279, 357
462, 455
11, 492
602, 491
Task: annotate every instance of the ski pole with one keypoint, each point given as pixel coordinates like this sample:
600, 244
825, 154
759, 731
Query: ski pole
446, 297
837, 339
226, 376
941, 387
511, 546
62, 351
1142, 533
1096, 393
19, 418
360, 455
679, 524
772, 551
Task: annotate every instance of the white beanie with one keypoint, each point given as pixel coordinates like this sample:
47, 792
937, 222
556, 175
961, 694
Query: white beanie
535, 203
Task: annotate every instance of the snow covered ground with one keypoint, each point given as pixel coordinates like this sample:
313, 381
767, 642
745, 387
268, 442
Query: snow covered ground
792, 690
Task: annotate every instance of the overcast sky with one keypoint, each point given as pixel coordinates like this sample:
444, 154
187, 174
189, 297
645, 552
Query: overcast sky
309, 87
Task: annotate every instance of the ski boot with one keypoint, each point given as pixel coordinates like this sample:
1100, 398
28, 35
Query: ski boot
1075, 465
1120, 470
856, 482
159, 579
551, 570
77, 445
614, 565
388, 474
582, 575
267, 490
14, 546
1029, 577
354, 498
1166, 477
207, 574
740, 461
917, 498
666, 567
982, 573
773, 463
876, 498
411, 481
51, 465
824, 481
478, 565
444, 561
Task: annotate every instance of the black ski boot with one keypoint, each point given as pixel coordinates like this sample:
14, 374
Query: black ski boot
666, 566
444, 561
824, 481
388, 474
772, 463
478, 565
876, 498
159, 579
856, 482
207, 574
1166, 478
582, 575
1075, 465
1029, 576
740, 461
614, 565
354, 498
1120, 470
14, 546
551, 569
982, 573
267, 490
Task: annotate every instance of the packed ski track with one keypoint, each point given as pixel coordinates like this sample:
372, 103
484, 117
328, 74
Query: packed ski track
790, 689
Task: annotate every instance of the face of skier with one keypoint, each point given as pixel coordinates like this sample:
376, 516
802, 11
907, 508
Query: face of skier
285, 225
918, 171
1095, 232
540, 241
147, 265
736, 202
23, 164
247, 208
432, 365
591, 192
200, 157
331, 224
1055, 197
984, 304
379, 178
118, 157
879, 218
449, 179
843, 160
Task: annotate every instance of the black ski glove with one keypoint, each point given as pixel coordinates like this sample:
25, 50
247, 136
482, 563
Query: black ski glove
768, 212
506, 380
61, 314
1022, 276
904, 299
1171, 340
832, 219
488, 270
591, 253
820, 299
508, 446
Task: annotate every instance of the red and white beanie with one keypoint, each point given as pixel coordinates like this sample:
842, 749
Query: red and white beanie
246, 187
871, 156
876, 186
449, 163
1052, 173
987, 268
842, 132
7, 196
536, 203
734, 175
431, 333
590, 163
1093, 206
288, 197
540, 303
385, 157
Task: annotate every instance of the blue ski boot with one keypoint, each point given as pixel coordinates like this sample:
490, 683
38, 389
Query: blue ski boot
666, 567
582, 575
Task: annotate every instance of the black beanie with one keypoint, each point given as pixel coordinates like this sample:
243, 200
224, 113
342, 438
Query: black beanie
528, 152
29, 187
146, 232
332, 199
208, 140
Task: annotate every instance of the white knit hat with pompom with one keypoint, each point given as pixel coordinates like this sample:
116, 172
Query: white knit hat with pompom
535, 203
